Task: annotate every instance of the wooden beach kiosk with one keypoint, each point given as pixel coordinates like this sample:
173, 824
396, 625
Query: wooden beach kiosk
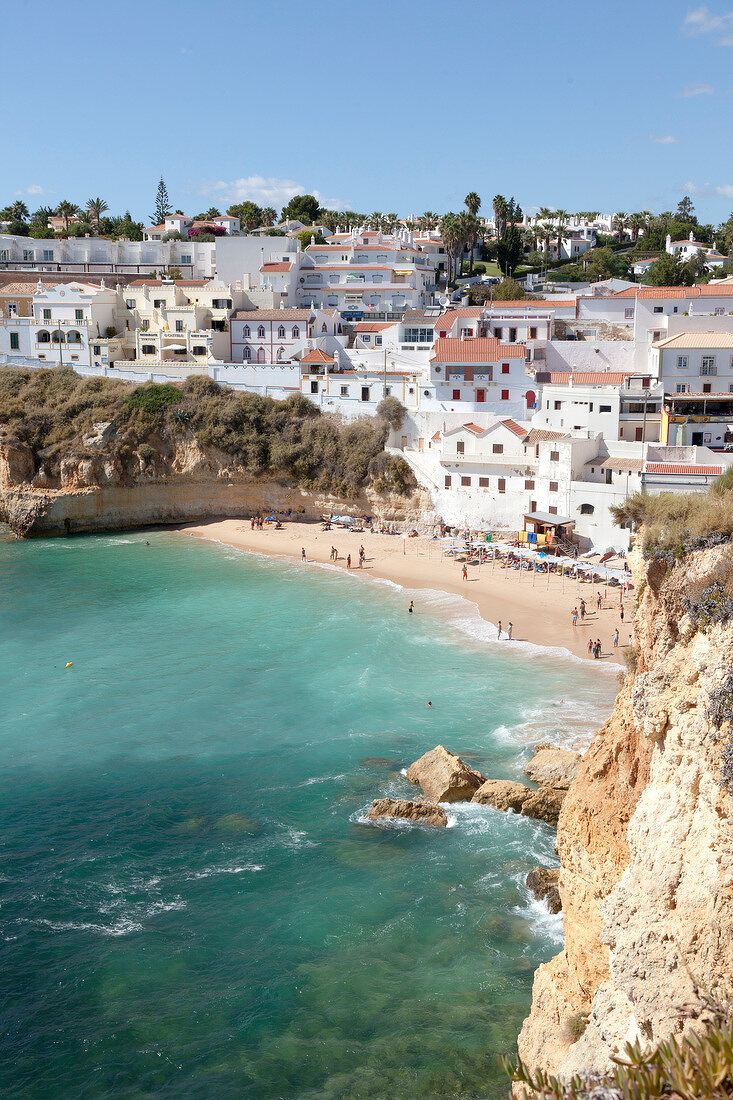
542, 529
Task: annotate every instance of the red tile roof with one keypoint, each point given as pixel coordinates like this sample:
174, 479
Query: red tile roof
514, 427
673, 468
373, 326
474, 428
317, 356
478, 349
540, 435
586, 377
707, 290
274, 266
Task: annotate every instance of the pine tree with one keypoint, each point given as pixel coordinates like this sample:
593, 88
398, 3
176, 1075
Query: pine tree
162, 203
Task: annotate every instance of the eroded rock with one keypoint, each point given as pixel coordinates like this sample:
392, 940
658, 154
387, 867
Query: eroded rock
554, 766
544, 804
423, 813
544, 884
502, 794
444, 777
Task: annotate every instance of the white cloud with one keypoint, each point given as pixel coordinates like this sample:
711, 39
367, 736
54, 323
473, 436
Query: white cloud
702, 21
698, 89
268, 191
664, 139
34, 189
726, 190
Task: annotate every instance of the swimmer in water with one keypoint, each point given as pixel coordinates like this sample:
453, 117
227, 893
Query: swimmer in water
429, 703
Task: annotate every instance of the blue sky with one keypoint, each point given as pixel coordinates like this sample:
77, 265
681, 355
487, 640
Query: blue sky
380, 106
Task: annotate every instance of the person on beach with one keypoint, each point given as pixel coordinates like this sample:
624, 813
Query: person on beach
590, 645
348, 561
509, 631
362, 557
615, 638
465, 573
575, 616
412, 606
598, 601
499, 631
302, 553
582, 610
621, 612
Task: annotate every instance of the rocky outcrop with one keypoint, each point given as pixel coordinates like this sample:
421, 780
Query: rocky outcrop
646, 843
422, 813
553, 766
544, 804
444, 777
16, 464
502, 794
544, 883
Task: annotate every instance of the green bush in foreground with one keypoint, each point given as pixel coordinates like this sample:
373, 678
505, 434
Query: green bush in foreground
699, 1067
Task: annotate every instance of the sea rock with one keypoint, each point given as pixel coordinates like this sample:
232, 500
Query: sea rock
444, 777
556, 767
544, 804
103, 432
424, 813
502, 794
544, 884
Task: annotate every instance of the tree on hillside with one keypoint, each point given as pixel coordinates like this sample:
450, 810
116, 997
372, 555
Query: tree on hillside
500, 214
249, 213
162, 203
619, 223
509, 246
17, 211
469, 228
95, 209
308, 236
668, 271
41, 216
428, 220
686, 209
303, 208
472, 202
393, 411
67, 210
268, 216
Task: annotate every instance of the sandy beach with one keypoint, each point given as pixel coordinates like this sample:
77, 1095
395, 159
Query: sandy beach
539, 607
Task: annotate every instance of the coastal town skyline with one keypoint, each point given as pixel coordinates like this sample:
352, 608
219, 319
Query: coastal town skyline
268, 147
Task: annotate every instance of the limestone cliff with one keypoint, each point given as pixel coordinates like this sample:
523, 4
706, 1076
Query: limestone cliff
91, 489
645, 841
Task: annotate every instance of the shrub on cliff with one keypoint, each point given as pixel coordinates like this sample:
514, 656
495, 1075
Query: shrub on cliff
677, 523
153, 398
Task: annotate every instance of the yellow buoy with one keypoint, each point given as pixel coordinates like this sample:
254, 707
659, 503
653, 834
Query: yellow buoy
69, 664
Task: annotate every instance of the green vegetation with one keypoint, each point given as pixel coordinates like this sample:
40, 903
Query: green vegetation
698, 1067
393, 411
307, 236
52, 410
676, 523
302, 208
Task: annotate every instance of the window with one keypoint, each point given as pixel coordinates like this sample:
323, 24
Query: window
533, 332
629, 314
366, 337
460, 447
708, 365
324, 327
96, 349
706, 387
604, 408
554, 456
558, 406
658, 309
512, 336
447, 481
78, 314
681, 362
502, 485
296, 332
483, 483
130, 303
261, 332
553, 486
281, 332
505, 395
185, 257
645, 383
378, 341
365, 393
47, 315
260, 355
681, 387
466, 332
28, 254
497, 333
158, 303
48, 253
15, 341
199, 350
43, 337
498, 449
148, 349
552, 510
314, 387
179, 326
529, 485
719, 311
456, 395
247, 353
415, 335
344, 391
245, 332
466, 481
505, 368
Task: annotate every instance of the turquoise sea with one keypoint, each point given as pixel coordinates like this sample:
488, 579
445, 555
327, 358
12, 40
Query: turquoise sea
190, 902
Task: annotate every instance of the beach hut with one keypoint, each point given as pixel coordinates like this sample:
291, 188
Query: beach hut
546, 529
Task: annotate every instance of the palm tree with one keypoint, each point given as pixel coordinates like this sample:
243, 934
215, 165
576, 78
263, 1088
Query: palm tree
18, 211
561, 216
473, 202
450, 233
41, 215
501, 209
619, 222
470, 229
428, 220
67, 210
374, 220
390, 222
95, 209
546, 230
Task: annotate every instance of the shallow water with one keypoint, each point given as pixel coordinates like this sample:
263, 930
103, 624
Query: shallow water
190, 902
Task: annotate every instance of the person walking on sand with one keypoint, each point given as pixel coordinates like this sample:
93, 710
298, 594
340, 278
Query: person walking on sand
598, 601
465, 573
615, 638
582, 610
302, 553
509, 631
348, 561
575, 616
590, 645
499, 631
621, 612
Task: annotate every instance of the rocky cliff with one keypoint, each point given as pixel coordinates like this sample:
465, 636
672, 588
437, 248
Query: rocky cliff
645, 837
91, 489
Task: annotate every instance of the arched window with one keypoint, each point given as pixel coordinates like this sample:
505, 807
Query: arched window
587, 509
248, 353
57, 336
246, 332
260, 355
261, 332
296, 332
73, 337
280, 354
281, 332
324, 327
43, 337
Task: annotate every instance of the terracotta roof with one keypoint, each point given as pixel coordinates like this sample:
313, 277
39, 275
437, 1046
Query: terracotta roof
373, 326
436, 436
697, 340
274, 266
540, 435
154, 228
474, 428
514, 427
271, 315
317, 356
418, 316
449, 318
706, 290
606, 462
673, 468
19, 290
585, 377
479, 349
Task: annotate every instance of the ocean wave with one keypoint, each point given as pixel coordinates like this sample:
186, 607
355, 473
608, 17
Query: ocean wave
239, 869
122, 927
322, 779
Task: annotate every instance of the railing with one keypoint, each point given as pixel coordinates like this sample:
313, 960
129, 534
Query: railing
45, 323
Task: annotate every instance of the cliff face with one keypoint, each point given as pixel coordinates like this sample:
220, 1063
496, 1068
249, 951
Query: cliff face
93, 491
646, 844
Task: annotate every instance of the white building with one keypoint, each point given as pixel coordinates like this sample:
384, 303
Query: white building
687, 249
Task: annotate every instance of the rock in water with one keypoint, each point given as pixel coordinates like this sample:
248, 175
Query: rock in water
502, 794
544, 884
544, 804
556, 767
444, 777
424, 813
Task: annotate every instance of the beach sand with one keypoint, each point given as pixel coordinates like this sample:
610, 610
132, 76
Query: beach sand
539, 608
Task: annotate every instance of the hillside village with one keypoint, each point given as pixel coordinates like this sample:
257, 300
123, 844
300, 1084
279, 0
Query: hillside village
534, 413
